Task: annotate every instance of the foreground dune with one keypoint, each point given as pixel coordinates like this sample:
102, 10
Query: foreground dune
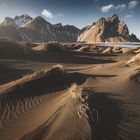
19, 102
93, 101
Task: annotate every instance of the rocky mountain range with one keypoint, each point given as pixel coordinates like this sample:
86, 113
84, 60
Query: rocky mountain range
26, 28
107, 30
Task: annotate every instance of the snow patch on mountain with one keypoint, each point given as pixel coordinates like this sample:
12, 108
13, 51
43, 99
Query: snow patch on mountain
22, 20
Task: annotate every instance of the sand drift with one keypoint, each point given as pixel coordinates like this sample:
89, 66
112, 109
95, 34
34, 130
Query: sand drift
47, 113
94, 96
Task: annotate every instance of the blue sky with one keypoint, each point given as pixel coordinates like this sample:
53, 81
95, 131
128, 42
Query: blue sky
75, 12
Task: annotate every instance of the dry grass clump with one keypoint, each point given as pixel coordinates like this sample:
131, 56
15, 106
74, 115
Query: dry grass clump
82, 95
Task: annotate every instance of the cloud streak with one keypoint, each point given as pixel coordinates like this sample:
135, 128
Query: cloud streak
46, 13
107, 8
132, 4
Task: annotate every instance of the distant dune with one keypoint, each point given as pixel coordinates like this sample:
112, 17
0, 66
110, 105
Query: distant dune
51, 47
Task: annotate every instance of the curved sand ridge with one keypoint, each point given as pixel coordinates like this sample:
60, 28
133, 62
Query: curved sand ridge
114, 93
67, 121
17, 114
15, 110
23, 110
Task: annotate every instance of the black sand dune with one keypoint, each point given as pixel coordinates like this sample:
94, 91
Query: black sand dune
94, 97
10, 74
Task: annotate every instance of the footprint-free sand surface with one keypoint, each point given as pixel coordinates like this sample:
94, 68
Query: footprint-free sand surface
97, 100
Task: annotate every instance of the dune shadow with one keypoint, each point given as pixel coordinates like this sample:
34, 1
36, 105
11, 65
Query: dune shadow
72, 58
65, 57
50, 83
110, 116
10, 74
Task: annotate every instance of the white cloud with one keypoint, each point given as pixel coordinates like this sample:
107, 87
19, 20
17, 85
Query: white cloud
132, 4
128, 16
47, 13
109, 7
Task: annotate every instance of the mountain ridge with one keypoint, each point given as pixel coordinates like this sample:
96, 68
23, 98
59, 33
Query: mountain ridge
38, 29
109, 29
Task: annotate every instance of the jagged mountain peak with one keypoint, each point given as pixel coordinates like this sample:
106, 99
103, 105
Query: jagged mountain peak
102, 19
114, 18
134, 38
39, 18
58, 25
22, 20
8, 18
24, 16
41, 21
8, 21
100, 22
40, 30
109, 29
111, 19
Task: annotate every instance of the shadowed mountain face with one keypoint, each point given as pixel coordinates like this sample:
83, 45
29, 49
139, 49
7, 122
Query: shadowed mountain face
38, 30
110, 30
